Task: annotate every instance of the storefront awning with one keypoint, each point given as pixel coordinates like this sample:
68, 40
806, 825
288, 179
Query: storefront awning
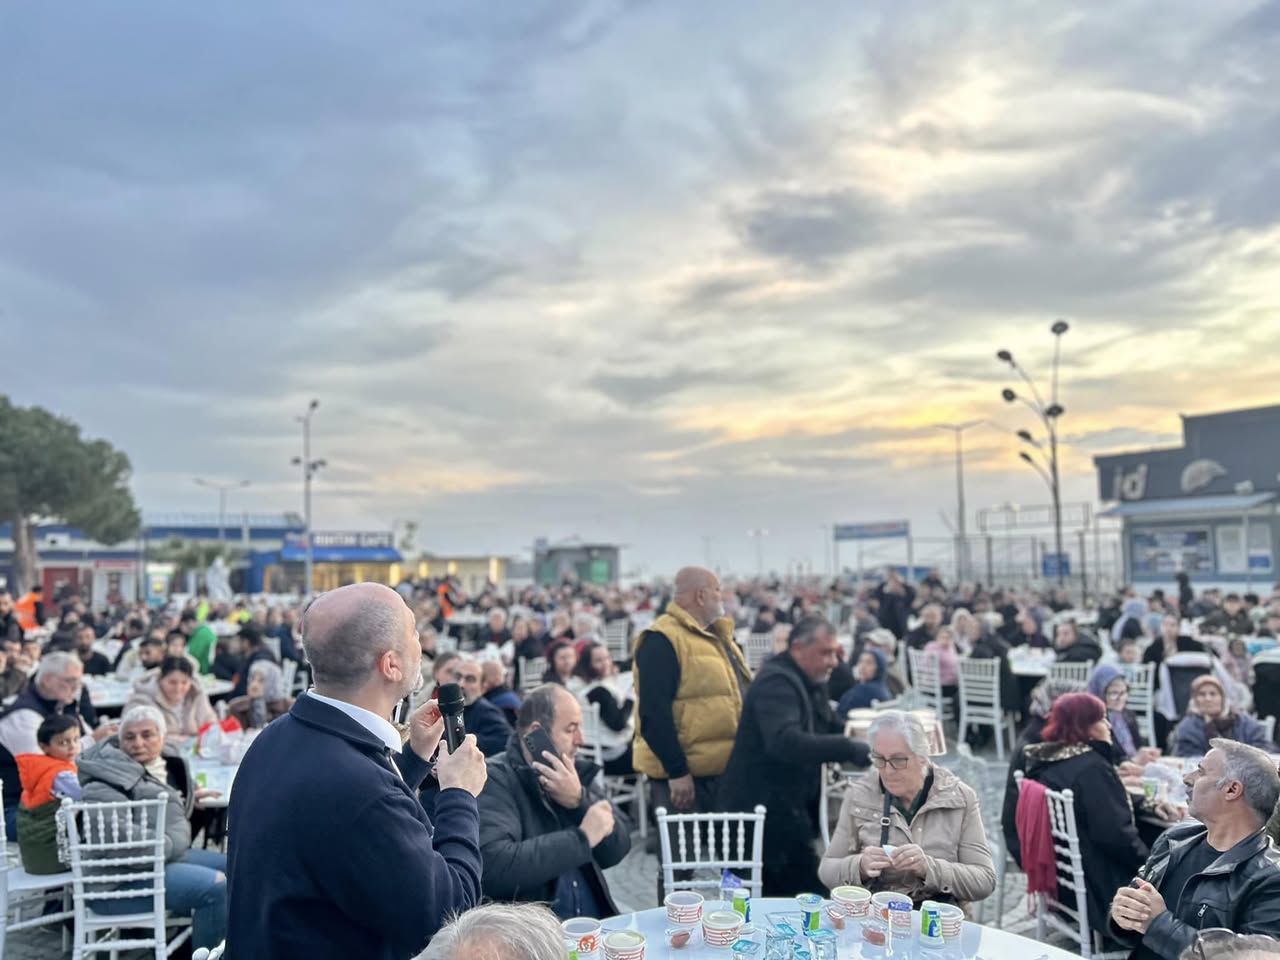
1180, 506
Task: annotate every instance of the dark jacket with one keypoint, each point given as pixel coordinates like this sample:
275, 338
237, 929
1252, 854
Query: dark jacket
506, 700
109, 775
529, 841
1084, 650
1109, 842
990, 646
227, 665
786, 733
895, 608
864, 693
1240, 891
357, 867
484, 718
1192, 736
1241, 624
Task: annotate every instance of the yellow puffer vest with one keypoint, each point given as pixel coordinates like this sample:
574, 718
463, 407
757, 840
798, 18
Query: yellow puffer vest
708, 701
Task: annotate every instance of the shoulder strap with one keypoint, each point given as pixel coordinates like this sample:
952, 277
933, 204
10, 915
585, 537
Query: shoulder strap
884, 816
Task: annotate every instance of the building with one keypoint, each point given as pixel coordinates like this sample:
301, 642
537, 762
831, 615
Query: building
474, 571
597, 563
1206, 508
338, 558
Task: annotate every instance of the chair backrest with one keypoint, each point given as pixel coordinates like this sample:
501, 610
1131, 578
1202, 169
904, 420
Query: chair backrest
1181, 676
1069, 866
926, 677
289, 672
615, 638
272, 644
711, 841
904, 663
980, 686
759, 646
531, 671
1269, 728
1071, 672
1142, 701
117, 843
591, 733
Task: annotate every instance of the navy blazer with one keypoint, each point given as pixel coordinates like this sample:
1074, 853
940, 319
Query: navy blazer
331, 855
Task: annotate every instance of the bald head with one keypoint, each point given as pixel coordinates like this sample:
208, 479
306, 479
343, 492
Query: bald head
492, 674
346, 631
697, 592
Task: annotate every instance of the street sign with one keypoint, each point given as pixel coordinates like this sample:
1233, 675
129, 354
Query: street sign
1055, 564
873, 531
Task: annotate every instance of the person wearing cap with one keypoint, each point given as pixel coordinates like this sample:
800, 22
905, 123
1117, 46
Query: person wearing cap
1210, 715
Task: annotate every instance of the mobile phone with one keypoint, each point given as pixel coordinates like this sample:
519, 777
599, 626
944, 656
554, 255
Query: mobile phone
538, 741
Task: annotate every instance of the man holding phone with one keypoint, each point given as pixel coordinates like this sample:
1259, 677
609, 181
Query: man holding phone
546, 832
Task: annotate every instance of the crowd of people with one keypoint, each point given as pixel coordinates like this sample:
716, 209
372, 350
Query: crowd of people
343, 821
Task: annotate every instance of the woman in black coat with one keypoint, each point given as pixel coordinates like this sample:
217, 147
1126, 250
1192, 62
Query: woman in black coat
1076, 755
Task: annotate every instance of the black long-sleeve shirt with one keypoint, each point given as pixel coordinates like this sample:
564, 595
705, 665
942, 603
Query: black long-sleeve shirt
657, 680
613, 715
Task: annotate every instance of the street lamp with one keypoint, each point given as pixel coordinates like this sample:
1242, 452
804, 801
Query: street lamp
222, 489
962, 542
1049, 414
309, 468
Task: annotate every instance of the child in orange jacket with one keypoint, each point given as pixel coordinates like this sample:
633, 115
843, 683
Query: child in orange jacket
46, 778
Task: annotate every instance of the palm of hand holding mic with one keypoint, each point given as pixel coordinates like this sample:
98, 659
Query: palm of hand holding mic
460, 764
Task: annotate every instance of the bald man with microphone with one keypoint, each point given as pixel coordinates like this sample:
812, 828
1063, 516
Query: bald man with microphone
331, 853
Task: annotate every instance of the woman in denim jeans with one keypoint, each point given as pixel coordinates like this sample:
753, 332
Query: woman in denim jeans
137, 764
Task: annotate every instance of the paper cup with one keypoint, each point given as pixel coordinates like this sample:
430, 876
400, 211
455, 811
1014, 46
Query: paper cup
952, 919
853, 902
582, 936
624, 945
900, 919
684, 908
720, 928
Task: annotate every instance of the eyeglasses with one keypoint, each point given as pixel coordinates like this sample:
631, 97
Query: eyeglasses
898, 763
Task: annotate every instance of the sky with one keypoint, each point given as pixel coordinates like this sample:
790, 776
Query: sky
649, 273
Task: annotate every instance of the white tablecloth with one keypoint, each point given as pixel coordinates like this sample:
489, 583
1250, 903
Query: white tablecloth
110, 694
975, 940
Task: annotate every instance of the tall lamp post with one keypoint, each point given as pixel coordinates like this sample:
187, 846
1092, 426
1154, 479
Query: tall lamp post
1049, 414
222, 489
309, 468
962, 542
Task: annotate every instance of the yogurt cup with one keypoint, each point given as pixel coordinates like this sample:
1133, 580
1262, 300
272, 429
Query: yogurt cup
624, 945
720, 927
853, 902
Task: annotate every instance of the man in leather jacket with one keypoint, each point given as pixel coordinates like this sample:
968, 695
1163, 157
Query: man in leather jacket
1220, 872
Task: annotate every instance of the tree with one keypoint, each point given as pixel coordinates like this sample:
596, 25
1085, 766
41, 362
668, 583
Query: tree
48, 471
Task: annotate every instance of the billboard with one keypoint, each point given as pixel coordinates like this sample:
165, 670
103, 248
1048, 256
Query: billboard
872, 531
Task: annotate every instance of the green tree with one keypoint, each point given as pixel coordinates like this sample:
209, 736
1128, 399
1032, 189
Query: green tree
48, 471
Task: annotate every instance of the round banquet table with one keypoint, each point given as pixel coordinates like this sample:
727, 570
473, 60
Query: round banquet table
109, 694
976, 942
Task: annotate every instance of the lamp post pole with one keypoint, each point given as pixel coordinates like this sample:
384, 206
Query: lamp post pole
309, 468
1049, 414
962, 542
222, 489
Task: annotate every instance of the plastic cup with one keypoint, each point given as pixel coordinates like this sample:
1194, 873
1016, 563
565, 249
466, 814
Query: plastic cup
720, 927
624, 945
853, 902
684, 908
952, 919
582, 937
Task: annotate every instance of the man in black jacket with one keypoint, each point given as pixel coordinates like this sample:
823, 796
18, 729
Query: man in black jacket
1221, 872
787, 732
546, 831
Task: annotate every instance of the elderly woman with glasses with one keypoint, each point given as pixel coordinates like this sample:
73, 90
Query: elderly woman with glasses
934, 847
139, 765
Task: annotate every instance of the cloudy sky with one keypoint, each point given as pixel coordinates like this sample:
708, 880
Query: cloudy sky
639, 271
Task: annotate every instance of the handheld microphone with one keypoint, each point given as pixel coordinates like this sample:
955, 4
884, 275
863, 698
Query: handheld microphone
451, 701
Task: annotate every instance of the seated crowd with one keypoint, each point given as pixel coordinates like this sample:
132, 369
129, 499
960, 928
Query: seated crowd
685, 712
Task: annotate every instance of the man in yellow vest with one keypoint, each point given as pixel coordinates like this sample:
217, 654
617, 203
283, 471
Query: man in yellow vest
689, 677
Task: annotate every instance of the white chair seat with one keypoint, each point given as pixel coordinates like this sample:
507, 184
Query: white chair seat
22, 882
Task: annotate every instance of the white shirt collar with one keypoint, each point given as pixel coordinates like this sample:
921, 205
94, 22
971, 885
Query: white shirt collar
380, 727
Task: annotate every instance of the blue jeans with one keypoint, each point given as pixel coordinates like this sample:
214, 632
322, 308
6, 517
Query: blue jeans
11, 822
195, 883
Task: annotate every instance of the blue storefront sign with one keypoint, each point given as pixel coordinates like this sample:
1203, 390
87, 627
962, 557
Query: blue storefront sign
1055, 564
873, 531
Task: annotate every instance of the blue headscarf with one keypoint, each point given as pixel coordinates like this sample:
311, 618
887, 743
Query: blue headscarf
1103, 676
1134, 609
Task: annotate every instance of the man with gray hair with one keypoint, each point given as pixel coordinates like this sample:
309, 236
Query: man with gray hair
1220, 872
499, 931
332, 854
787, 732
54, 689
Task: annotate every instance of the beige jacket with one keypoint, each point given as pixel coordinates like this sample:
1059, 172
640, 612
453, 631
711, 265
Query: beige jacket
948, 828
182, 721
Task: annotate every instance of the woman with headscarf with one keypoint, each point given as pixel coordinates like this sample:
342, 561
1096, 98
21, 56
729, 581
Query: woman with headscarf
265, 700
870, 671
1110, 686
1210, 715
1030, 622
1132, 614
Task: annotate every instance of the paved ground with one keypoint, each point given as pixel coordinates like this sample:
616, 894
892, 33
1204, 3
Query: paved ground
634, 886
